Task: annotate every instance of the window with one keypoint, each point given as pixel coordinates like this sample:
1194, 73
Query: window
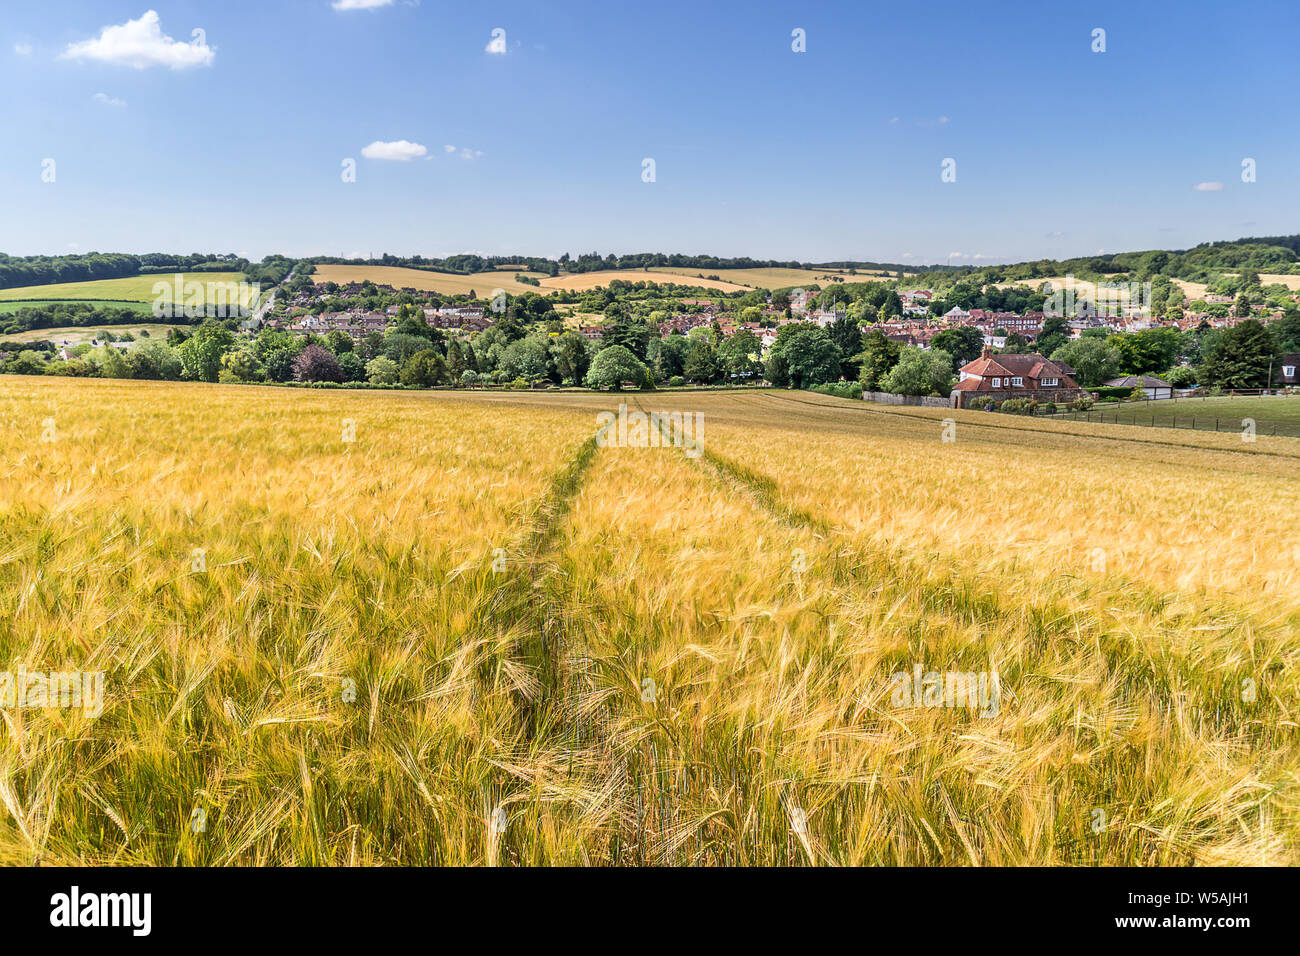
1049, 382
1288, 371
1017, 381
997, 383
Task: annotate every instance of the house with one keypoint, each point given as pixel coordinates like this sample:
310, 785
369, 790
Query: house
1153, 387
1288, 370
1000, 377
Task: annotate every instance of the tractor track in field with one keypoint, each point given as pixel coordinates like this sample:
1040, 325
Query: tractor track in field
525, 601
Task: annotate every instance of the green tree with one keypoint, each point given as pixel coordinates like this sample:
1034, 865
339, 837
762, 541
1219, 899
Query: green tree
1240, 357
964, 343
1095, 360
919, 372
879, 355
807, 356
201, 353
424, 368
571, 356
847, 336
382, 371
527, 358
701, 363
154, 359
614, 365
741, 354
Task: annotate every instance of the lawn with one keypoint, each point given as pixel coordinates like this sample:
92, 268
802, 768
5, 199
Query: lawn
120, 291
1229, 412
454, 628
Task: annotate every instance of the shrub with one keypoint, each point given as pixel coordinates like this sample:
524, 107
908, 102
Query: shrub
676, 381
840, 389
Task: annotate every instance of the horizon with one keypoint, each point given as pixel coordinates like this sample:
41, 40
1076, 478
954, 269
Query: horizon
533, 141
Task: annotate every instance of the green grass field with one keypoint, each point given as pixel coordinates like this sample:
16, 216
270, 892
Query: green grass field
120, 291
1224, 413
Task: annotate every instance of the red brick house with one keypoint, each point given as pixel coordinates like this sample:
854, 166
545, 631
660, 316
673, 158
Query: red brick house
999, 377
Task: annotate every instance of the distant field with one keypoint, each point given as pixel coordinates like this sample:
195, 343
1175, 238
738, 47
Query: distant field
1193, 290
592, 280
1291, 282
775, 278
83, 333
129, 289
14, 306
480, 283
1203, 413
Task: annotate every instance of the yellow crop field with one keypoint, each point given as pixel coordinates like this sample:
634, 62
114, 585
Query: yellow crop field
481, 284
502, 628
779, 278
581, 281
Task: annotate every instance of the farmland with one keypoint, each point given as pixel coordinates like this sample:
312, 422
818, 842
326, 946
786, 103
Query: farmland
1202, 413
773, 278
482, 283
76, 334
119, 292
412, 627
580, 282
445, 283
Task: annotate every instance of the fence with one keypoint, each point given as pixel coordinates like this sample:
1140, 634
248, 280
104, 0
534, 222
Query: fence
890, 398
1183, 413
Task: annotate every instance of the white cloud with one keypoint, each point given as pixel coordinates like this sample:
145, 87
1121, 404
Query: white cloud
942, 120
399, 150
360, 4
140, 44
108, 100
464, 152
1213, 186
498, 42
23, 49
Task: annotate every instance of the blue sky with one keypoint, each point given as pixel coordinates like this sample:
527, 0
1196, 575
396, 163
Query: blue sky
236, 143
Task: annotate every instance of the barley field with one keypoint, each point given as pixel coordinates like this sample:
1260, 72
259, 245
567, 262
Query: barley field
481, 284
356, 628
